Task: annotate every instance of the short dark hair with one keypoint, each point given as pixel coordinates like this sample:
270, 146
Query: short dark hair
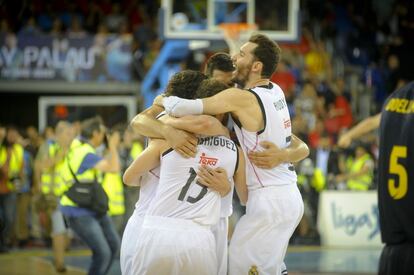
184, 84
219, 61
210, 87
90, 125
267, 52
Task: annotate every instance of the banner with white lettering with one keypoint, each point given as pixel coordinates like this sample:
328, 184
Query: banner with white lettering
46, 57
349, 218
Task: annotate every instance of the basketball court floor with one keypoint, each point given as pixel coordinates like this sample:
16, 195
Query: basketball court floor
300, 260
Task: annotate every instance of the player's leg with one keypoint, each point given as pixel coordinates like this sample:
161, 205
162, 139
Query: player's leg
397, 259
220, 232
261, 237
129, 241
174, 247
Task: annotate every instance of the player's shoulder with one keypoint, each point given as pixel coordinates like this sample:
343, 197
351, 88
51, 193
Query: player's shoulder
407, 91
271, 89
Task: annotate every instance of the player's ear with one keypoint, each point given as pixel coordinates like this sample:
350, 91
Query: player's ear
257, 66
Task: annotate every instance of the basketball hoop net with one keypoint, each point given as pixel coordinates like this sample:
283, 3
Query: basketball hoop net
235, 34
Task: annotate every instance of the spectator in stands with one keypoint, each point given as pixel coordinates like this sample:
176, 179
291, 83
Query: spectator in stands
30, 28
94, 18
285, 79
76, 30
45, 19
119, 56
115, 19
317, 61
305, 105
340, 111
4, 28
57, 28
316, 133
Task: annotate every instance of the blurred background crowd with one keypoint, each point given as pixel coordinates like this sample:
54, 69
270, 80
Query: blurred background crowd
351, 55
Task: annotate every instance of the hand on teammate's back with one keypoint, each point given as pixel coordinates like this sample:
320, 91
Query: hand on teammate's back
182, 142
215, 179
270, 157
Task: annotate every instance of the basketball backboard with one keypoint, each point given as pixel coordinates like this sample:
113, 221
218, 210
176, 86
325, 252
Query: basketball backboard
200, 19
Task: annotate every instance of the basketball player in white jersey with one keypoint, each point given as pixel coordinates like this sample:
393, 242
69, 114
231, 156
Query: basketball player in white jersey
196, 256
275, 206
179, 85
146, 125
220, 67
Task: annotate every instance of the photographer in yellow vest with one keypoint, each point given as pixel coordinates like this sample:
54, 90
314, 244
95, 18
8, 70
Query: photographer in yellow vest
96, 230
51, 160
359, 174
11, 178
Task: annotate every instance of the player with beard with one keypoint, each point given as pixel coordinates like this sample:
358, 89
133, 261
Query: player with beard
260, 113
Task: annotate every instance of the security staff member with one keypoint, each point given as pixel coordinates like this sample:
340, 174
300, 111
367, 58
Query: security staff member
396, 182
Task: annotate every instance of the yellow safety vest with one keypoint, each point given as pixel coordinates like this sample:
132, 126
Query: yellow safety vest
318, 180
364, 181
75, 158
53, 180
136, 149
112, 184
15, 164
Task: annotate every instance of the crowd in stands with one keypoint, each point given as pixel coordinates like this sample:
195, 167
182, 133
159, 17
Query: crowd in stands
351, 55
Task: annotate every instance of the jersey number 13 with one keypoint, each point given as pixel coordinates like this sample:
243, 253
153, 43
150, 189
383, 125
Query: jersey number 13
184, 190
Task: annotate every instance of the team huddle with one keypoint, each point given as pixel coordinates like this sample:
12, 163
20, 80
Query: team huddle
191, 166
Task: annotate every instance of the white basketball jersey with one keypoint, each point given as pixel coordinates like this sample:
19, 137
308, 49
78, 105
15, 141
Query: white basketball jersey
179, 195
148, 188
277, 129
227, 201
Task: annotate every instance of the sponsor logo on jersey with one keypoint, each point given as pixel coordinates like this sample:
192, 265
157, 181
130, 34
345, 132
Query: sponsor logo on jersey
207, 160
287, 123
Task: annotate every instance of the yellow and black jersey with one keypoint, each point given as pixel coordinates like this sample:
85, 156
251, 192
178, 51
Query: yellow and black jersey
396, 167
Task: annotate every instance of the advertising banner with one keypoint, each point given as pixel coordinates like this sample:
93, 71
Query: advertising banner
100, 58
349, 218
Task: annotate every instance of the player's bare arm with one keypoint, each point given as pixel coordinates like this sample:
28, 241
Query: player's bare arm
273, 156
240, 103
198, 124
360, 129
146, 124
214, 179
240, 179
147, 160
